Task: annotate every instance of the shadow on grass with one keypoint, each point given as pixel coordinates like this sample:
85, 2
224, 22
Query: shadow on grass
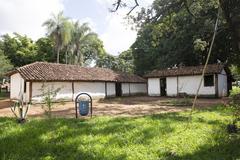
105, 138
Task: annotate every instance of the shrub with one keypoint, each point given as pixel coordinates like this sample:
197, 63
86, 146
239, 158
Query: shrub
20, 110
235, 105
49, 95
235, 90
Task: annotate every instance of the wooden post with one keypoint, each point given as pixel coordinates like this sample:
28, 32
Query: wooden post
147, 88
159, 86
105, 89
30, 91
72, 91
177, 87
129, 89
216, 85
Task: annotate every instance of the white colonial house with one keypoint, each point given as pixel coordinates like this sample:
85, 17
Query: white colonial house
185, 81
28, 82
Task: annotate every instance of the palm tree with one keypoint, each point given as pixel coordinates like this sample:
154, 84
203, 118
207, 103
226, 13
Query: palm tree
59, 28
80, 35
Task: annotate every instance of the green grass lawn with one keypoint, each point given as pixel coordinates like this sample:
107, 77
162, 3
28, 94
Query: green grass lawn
163, 136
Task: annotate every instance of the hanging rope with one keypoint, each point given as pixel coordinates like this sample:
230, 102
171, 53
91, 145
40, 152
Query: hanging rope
206, 63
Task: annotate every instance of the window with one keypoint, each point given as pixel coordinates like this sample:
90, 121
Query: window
25, 86
208, 81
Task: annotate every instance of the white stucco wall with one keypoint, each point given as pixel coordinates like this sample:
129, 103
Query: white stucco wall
186, 84
125, 89
17, 86
138, 88
189, 85
153, 86
171, 86
64, 93
111, 90
222, 84
95, 89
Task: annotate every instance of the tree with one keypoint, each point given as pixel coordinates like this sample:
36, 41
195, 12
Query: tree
231, 10
123, 62
84, 47
59, 28
44, 49
20, 50
107, 61
4, 63
80, 34
169, 35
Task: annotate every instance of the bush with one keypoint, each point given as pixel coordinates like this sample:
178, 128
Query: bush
235, 105
235, 90
49, 95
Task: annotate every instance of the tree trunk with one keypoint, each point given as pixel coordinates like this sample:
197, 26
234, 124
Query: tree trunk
58, 53
80, 59
79, 55
66, 55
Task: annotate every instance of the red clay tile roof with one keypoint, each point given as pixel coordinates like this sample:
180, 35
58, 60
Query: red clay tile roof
183, 71
43, 71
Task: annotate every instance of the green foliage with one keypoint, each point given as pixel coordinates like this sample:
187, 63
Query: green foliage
84, 47
20, 50
164, 136
44, 50
235, 71
235, 90
107, 61
123, 62
74, 43
235, 105
4, 63
59, 29
49, 94
20, 110
169, 35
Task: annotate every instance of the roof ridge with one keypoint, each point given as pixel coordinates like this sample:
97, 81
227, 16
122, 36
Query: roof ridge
48, 71
186, 70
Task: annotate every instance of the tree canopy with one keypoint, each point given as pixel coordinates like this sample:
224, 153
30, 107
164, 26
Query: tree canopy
4, 63
169, 34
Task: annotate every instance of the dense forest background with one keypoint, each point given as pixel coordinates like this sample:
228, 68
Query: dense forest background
170, 33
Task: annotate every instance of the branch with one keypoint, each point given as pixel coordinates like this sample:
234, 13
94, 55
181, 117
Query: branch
136, 5
119, 3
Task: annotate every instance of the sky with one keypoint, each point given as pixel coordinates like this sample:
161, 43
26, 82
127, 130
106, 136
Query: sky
27, 16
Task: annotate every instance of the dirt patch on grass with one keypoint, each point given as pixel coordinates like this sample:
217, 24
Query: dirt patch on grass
126, 106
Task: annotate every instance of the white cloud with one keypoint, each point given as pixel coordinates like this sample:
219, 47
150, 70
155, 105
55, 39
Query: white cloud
90, 22
27, 16
117, 36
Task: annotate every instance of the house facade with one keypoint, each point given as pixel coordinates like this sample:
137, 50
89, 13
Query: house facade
30, 81
185, 81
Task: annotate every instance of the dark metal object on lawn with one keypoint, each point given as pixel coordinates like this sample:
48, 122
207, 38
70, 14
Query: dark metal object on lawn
83, 105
